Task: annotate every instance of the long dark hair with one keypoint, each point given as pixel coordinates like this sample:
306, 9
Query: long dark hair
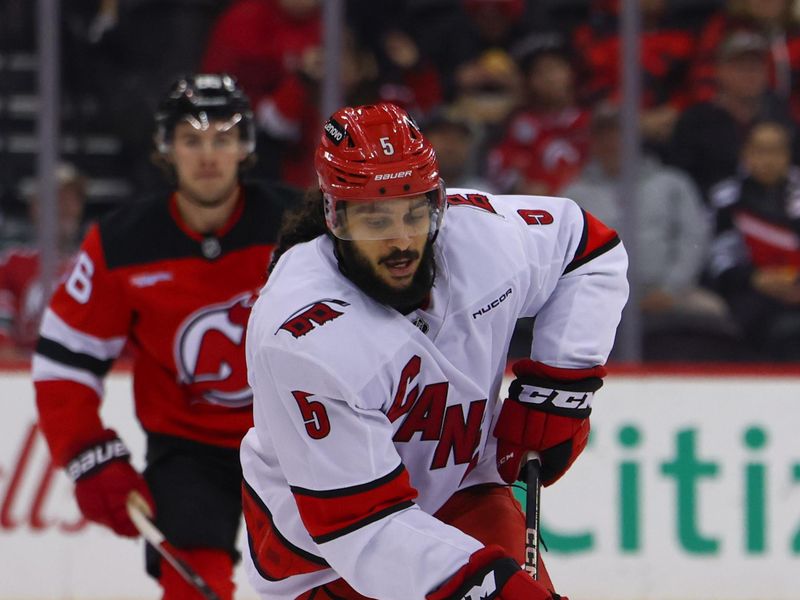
302, 224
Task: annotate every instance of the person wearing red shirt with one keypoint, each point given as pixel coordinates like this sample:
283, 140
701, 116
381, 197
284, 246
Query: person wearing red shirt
545, 143
665, 54
22, 295
274, 49
173, 278
261, 41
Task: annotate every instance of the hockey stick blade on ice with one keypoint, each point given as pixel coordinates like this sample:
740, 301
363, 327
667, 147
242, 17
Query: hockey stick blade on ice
156, 539
532, 498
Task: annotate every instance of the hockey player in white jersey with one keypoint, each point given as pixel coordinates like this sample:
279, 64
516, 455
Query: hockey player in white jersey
376, 354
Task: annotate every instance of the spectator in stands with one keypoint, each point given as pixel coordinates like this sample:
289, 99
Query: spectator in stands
777, 21
464, 41
755, 258
709, 135
665, 55
407, 78
272, 47
22, 294
289, 117
261, 42
389, 30
673, 228
545, 143
491, 92
457, 143
131, 51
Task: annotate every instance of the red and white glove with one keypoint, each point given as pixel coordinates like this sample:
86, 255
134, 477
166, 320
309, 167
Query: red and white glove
491, 574
547, 411
104, 478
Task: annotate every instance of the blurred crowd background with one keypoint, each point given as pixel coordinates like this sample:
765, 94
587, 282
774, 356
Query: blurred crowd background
517, 96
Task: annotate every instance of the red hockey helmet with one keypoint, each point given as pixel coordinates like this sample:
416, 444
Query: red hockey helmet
374, 153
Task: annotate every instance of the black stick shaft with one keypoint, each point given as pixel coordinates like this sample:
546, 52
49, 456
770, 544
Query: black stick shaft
532, 505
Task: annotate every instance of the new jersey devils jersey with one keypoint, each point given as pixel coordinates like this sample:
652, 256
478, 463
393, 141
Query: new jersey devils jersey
181, 301
368, 420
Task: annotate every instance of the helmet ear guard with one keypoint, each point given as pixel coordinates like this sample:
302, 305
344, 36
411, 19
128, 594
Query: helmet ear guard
205, 100
375, 153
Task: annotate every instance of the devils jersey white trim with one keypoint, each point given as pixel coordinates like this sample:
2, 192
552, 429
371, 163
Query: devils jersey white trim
45, 369
56, 329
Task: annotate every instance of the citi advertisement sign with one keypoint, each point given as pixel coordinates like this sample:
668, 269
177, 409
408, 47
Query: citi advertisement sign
688, 474
689, 489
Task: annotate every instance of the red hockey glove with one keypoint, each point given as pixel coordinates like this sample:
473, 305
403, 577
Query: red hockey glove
103, 480
492, 575
547, 411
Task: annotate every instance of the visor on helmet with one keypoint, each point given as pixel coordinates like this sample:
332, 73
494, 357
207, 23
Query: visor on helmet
386, 218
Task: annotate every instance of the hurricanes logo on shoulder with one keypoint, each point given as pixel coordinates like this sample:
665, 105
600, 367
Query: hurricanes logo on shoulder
312, 316
472, 200
209, 352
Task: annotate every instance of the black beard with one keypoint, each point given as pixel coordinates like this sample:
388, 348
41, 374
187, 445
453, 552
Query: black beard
357, 269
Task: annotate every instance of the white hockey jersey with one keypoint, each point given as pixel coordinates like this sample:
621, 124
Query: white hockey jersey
368, 420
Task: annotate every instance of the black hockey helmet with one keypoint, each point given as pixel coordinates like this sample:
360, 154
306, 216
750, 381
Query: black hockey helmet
201, 99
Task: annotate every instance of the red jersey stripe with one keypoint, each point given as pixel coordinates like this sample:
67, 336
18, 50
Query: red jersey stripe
273, 555
330, 514
597, 239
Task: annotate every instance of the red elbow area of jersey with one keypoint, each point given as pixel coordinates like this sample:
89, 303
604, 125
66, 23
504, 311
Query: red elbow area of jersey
329, 514
68, 418
274, 556
597, 239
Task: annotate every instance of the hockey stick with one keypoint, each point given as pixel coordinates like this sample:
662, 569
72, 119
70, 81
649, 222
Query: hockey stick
136, 511
532, 497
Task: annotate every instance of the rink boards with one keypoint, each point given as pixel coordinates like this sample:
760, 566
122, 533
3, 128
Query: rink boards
689, 489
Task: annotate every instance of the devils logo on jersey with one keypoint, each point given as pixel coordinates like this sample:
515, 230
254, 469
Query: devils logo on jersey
209, 352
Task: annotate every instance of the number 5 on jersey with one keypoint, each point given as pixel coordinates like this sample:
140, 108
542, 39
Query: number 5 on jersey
315, 417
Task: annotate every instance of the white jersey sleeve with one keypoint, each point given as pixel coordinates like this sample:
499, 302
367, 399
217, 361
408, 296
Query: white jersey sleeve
350, 486
577, 285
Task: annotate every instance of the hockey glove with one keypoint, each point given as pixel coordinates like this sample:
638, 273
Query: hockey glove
103, 480
492, 575
547, 411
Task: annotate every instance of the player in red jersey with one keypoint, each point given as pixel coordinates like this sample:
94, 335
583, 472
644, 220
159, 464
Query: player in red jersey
173, 278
